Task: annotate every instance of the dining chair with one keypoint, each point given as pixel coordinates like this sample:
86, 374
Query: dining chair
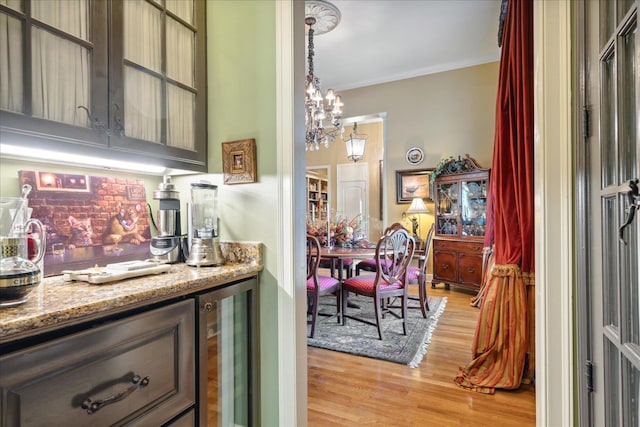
417, 275
394, 252
370, 264
318, 286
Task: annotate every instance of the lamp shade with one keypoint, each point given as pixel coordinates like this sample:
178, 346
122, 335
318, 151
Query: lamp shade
417, 206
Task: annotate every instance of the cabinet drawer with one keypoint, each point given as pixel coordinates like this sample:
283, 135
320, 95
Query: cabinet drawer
444, 266
48, 384
453, 245
470, 269
444, 244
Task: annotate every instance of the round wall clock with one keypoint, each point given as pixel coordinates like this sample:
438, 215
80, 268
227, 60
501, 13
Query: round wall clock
415, 156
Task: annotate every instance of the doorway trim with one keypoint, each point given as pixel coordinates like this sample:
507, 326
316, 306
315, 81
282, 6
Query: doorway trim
553, 187
369, 118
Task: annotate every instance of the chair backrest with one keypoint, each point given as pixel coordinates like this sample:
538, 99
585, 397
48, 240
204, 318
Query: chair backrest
393, 227
313, 257
427, 242
426, 249
393, 255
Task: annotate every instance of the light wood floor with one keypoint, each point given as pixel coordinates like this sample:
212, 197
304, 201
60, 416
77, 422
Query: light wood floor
347, 390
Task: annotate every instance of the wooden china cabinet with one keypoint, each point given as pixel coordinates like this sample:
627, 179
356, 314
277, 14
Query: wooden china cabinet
460, 196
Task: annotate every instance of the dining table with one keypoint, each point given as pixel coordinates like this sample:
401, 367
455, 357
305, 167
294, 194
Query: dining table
340, 253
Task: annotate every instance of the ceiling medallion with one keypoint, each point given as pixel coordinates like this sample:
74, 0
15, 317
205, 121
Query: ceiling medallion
327, 15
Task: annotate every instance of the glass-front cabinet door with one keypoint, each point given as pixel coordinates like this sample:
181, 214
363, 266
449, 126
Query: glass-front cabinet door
473, 211
447, 208
461, 204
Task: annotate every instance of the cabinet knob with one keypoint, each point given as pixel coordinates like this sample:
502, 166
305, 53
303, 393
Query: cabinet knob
471, 269
445, 266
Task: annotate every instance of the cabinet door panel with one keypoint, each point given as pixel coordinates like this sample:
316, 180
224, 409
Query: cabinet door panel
470, 269
444, 265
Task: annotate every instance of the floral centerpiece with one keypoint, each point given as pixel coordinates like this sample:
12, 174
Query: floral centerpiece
342, 230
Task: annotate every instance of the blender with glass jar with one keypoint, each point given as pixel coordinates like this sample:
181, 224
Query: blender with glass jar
202, 225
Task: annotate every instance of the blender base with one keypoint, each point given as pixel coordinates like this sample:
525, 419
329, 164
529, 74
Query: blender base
167, 249
205, 253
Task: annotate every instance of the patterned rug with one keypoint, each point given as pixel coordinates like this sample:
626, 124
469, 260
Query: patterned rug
361, 339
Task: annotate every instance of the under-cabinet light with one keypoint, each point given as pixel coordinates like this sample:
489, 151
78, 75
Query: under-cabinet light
25, 153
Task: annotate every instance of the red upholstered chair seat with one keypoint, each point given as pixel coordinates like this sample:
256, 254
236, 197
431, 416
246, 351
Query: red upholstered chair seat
367, 283
413, 273
324, 282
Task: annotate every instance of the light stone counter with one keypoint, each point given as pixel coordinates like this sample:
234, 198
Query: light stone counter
55, 303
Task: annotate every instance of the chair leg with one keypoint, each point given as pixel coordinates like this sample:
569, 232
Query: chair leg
314, 314
404, 314
343, 298
424, 301
378, 319
339, 306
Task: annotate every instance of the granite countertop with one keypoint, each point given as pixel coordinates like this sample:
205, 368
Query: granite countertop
56, 303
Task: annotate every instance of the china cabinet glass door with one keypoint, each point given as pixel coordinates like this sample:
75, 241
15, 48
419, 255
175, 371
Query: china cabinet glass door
473, 202
447, 218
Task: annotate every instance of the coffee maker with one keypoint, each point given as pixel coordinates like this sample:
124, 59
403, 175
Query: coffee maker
202, 223
167, 245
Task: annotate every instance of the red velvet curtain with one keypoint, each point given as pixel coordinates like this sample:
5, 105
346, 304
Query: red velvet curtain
504, 334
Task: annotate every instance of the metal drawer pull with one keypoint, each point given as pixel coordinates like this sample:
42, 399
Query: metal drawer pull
445, 266
471, 270
94, 406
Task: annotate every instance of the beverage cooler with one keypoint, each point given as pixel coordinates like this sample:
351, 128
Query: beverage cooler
228, 362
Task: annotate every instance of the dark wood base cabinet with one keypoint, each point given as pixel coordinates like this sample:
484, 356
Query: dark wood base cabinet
190, 361
457, 263
136, 370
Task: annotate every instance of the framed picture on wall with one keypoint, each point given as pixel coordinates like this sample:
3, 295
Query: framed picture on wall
413, 183
239, 161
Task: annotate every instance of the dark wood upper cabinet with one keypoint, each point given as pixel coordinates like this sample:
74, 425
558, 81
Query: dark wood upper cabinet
123, 80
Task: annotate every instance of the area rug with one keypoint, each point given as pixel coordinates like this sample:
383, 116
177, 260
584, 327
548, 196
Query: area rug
362, 339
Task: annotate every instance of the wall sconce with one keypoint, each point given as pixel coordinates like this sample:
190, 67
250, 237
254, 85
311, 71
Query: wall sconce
355, 144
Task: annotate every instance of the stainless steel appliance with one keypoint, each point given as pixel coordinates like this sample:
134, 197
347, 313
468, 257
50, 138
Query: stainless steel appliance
202, 221
167, 246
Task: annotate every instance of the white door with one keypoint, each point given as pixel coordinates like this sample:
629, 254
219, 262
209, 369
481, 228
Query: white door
353, 192
612, 92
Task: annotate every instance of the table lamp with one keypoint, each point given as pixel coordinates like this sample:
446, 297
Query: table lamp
417, 207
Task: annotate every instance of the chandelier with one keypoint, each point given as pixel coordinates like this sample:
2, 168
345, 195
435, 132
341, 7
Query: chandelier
318, 110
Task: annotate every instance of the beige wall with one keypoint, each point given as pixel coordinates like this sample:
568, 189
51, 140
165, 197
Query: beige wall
446, 114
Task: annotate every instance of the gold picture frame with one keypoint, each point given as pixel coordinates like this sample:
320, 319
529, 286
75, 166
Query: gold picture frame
239, 161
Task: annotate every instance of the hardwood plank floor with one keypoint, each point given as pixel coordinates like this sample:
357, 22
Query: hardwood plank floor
347, 390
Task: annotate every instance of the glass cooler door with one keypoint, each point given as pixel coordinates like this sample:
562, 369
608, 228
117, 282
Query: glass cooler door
228, 359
